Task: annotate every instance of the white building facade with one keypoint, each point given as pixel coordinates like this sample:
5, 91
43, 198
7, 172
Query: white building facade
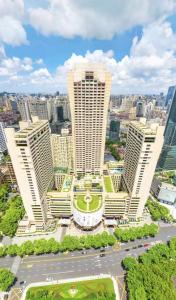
89, 93
30, 151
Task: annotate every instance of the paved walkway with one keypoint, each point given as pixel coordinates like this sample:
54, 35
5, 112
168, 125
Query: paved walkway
56, 235
73, 230
15, 294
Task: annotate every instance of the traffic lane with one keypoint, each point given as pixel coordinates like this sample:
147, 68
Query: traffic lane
6, 262
62, 270
110, 264
165, 234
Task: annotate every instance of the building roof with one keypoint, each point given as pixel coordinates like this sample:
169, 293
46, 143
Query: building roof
30, 129
168, 195
144, 128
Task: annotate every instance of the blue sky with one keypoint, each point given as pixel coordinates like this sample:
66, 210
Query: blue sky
41, 40
55, 50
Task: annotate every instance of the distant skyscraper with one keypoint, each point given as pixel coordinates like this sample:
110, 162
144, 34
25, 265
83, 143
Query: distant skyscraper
30, 152
140, 109
23, 107
33, 107
170, 94
89, 93
3, 146
61, 110
142, 151
114, 130
39, 108
167, 159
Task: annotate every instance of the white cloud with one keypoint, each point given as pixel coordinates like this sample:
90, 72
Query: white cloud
96, 18
41, 73
14, 65
11, 28
149, 68
39, 61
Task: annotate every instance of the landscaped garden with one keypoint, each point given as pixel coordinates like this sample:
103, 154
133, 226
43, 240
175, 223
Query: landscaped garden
167, 176
97, 289
83, 204
108, 184
158, 211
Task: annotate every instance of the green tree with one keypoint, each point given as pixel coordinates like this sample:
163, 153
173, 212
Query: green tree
12, 250
14, 213
6, 279
129, 262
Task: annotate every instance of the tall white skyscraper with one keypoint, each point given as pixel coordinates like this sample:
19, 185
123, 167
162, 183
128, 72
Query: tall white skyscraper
143, 148
30, 151
89, 93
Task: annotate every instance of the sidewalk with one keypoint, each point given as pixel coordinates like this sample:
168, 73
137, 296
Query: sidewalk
56, 235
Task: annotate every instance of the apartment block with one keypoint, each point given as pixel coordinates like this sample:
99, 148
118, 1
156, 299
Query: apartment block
62, 150
30, 152
23, 107
39, 108
143, 148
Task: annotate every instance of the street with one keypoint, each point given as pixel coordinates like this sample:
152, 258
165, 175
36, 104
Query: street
75, 264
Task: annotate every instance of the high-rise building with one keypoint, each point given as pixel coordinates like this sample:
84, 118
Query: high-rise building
30, 152
23, 107
126, 104
139, 109
62, 150
89, 93
3, 146
167, 160
143, 148
33, 107
39, 108
114, 130
170, 94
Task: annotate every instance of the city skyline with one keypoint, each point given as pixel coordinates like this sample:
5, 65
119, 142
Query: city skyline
87, 149
40, 41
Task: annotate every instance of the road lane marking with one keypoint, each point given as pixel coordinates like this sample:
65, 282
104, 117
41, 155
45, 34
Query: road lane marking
57, 273
64, 258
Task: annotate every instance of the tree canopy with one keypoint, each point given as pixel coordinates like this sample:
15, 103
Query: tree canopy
6, 279
14, 213
69, 243
152, 275
158, 211
133, 233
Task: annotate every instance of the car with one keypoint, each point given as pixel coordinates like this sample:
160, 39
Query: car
146, 245
127, 249
135, 247
140, 246
102, 255
102, 250
23, 282
84, 252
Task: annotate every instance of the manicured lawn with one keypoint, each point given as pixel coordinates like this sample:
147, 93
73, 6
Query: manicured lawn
97, 289
108, 184
81, 204
93, 205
